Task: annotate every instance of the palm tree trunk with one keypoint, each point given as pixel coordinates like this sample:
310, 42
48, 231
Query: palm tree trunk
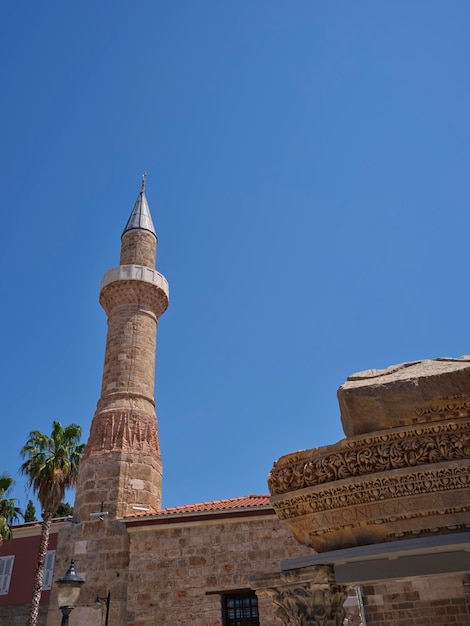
37, 588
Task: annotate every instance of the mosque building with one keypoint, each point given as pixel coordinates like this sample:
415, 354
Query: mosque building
310, 554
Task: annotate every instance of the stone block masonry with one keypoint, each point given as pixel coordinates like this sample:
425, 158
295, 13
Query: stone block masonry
101, 553
178, 572
436, 600
138, 248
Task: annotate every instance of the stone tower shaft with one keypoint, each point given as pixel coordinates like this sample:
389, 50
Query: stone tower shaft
133, 296
121, 467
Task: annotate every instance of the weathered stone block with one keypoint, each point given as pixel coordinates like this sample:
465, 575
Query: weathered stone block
405, 394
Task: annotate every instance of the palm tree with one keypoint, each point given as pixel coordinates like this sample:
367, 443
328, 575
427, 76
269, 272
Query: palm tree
51, 467
9, 513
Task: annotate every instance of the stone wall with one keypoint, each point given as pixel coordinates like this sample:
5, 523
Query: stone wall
100, 550
418, 602
178, 571
18, 615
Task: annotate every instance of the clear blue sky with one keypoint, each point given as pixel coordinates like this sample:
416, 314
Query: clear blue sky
308, 176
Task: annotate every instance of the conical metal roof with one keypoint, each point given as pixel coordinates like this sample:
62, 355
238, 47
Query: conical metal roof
140, 218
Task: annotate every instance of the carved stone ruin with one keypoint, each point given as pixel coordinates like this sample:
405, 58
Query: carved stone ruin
403, 471
304, 597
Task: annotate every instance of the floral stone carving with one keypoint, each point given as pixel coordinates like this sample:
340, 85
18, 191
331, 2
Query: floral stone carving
308, 596
375, 452
376, 487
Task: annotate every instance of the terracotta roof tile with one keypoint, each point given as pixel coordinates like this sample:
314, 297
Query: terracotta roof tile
215, 505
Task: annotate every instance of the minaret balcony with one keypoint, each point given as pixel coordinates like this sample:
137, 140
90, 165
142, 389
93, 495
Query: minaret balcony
134, 284
136, 272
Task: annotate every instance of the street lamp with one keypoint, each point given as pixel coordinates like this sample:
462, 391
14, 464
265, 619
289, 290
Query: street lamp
69, 590
97, 604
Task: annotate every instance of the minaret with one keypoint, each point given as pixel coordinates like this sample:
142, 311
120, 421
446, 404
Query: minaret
122, 467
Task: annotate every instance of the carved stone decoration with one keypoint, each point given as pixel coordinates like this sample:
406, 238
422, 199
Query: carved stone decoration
373, 453
308, 596
126, 430
364, 512
376, 487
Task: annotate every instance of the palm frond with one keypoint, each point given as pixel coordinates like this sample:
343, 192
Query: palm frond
9, 513
51, 464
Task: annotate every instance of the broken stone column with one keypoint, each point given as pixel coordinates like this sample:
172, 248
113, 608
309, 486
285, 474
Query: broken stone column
402, 472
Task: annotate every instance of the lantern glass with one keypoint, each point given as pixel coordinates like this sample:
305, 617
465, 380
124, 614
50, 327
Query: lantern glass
69, 587
68, 594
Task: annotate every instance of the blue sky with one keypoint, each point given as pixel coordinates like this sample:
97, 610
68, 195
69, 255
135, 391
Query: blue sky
308, 178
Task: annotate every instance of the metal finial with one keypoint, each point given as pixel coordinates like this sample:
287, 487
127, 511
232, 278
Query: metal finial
144, 176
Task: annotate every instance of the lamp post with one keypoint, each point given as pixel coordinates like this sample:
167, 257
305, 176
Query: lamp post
69, 590
97, 605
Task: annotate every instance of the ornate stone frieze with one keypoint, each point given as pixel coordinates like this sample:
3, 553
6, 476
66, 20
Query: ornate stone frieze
376, 491
363, 510
306, 597
445, 408
387, 487
372, 453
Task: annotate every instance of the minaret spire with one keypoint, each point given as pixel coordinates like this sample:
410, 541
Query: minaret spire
121, 467
140, 218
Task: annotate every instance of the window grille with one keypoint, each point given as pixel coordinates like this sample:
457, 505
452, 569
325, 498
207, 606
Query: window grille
240, 609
